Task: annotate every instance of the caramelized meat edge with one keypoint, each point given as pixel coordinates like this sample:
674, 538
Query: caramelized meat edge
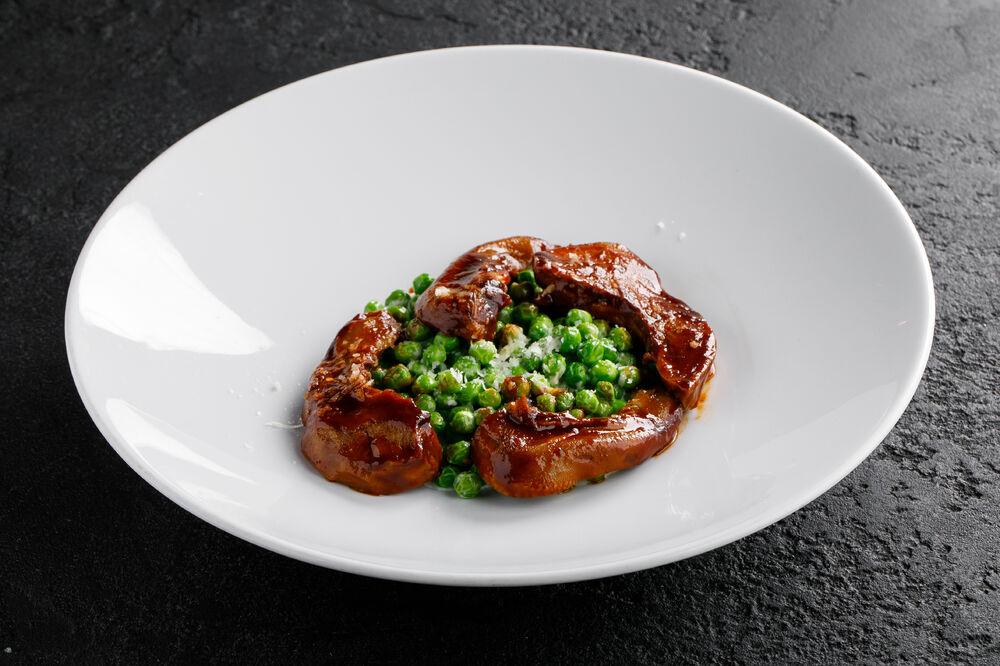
613, 283
467, 297
523, 452
374, 441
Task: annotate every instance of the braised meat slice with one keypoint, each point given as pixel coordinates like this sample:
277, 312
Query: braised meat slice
523, 452
613, 283
467, 297
374, 441
380, 445
522, 248
357, 347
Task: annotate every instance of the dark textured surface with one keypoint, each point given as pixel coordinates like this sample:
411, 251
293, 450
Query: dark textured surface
899, 562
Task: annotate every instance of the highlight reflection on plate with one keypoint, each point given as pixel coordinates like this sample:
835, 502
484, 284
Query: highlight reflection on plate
215, 281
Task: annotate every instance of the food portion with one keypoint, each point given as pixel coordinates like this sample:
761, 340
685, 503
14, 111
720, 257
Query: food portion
375, 441
524, 366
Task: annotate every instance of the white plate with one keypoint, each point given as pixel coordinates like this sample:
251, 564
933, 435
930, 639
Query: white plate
215, 281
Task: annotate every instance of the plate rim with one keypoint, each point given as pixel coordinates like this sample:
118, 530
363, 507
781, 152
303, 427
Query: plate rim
560, 574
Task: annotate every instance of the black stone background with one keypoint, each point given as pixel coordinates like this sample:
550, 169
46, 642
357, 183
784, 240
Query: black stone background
898, 563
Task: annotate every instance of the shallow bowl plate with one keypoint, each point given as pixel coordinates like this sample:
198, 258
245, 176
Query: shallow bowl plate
214, 282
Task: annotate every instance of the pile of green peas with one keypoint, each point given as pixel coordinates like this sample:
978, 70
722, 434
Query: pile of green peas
574, 364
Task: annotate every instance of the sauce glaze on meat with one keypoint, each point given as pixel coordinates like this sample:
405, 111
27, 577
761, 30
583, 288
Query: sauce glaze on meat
374, 441
613, 283
523, 452
467, 297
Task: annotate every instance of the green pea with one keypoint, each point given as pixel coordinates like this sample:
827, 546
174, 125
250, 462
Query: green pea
510, 334
482, 414
620, 338
591, 351
586, 400
527, 275
450, 381
492, 378
516, 370
434, 355
470, 391
576, 412
372, 306
408, 350
398, 297
421, 282
397, 378
425, 401
525, 313
574, 317
438, 422
467, 365
457, 453
628, 377
610, 353
378, 374
418, 368
514, 388
569, 339
540, 328
463, 421
588, 331
546, 402
425, 383
483, 351
400, 313
626, 358
616, 405
605, 391
489, 398
604, 371
564, 400
403, 394
520, 291
603, 409
603, 326
505, 315
468, 484
539, 384
446, 342
531, 360
576, 374
554, 365
417, 330
446, 478
444, 400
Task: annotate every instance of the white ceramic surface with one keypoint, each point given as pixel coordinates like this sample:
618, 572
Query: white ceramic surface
215, 281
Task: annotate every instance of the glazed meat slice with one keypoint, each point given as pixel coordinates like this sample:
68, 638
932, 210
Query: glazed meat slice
523, 452
374, 441
344, 369
613, 283
467, 297
522, 248
381, 444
